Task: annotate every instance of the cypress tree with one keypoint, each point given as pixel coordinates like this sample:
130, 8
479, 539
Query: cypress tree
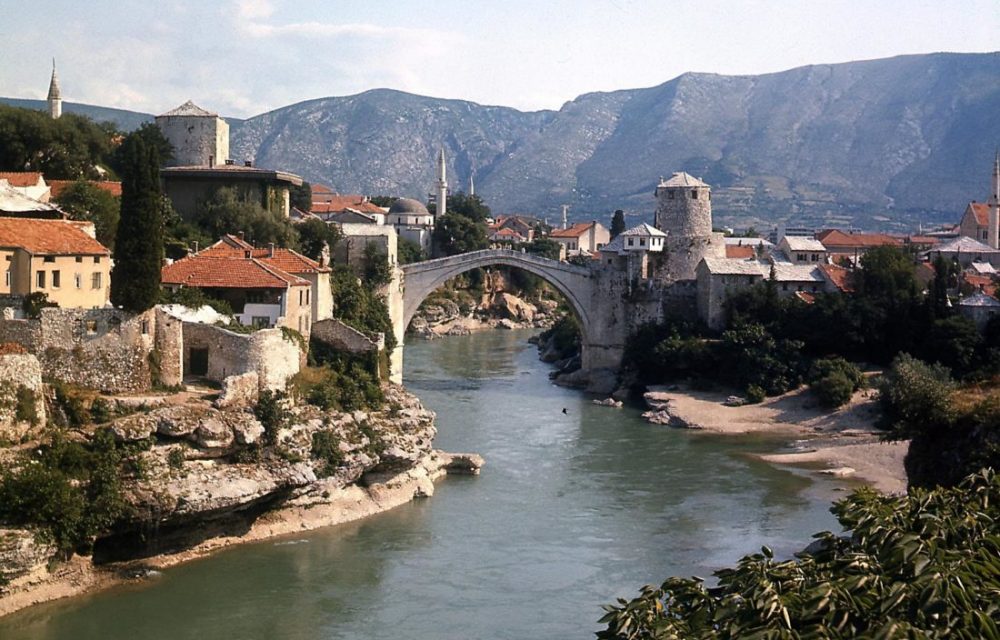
135, 278
617, 223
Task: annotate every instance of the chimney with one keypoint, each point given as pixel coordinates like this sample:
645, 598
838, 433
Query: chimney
240, 234
270, 249
248, 163
194, 247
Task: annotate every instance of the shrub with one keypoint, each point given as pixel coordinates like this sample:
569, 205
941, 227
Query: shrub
175, 459
825, 366
918, 566
915, 398
24, 409
101, 411
833, 390
326, 447
271, 413
755, 394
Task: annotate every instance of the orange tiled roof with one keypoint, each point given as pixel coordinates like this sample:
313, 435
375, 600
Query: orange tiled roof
336, 203
982, 212
21, 178
574, 231
837, 239
923, 239
839, 276
984, 283
285, 259
742, 251
227, 272
58, 186
48, 237
321, 189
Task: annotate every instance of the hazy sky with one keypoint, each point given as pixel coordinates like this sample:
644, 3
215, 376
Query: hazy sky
243, 57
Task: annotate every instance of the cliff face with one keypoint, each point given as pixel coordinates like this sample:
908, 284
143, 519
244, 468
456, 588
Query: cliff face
907, 138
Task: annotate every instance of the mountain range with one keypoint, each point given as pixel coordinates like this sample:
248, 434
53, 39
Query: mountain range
875, 144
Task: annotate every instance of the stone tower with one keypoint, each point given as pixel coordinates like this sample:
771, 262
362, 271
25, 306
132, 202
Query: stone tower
994, 205
200, 138
55, 97
442, 186
684, 213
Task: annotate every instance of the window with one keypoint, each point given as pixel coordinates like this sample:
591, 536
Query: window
95, 280
50, 258
78, 280
694, 194
784, 286
814, 257
97, 259
261, 322
300, 299
801, 257
642, 242
40, 279
7, 278
631, 241
308, 291
79, 258
91, 327
670, 195
145, 327
56, 280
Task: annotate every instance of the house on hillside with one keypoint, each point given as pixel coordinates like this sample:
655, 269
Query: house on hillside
266, 287
57, 258
975, 222
965, 251
347, 209
505, 238
14, 204
581, 238
631, 248
31, 184
802, 250
850, 246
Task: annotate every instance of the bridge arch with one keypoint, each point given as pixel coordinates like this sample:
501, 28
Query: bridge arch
420, 279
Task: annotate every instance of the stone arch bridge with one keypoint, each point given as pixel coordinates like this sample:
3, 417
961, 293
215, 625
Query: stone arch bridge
576, 283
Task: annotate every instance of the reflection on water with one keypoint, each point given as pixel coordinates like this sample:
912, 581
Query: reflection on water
572, 510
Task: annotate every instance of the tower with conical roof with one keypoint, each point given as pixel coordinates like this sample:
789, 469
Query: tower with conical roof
994, 205
684, 213
200, 138
441, 199
55, 97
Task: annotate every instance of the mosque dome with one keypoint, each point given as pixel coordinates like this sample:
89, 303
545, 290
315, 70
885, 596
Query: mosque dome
408, 205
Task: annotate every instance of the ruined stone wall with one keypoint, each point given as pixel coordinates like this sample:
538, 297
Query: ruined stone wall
269, 353
340, 336
104, 349
20, 385
169, 342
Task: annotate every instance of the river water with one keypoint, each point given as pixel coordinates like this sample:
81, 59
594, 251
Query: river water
571, 511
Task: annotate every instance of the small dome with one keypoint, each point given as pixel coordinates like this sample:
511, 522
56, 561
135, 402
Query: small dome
408, 205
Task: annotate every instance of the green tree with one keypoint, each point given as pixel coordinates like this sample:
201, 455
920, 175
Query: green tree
314, 234
377, 270
225, 212
66, 149
135, 277
409, 252
544, 247
301, 197
471, 207
917, 566
617, 223
84, 200
915, 398
455, 233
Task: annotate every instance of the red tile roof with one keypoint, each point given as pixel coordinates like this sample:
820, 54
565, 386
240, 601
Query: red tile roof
58, 186
21, 178
227, 272
48, 237
337, 203
837, 239
321, 189
838, 276
982, 212
284, 259
574, 231
743, 251
986, 284
923, 239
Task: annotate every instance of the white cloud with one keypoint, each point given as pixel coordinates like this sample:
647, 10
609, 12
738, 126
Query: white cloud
254, 9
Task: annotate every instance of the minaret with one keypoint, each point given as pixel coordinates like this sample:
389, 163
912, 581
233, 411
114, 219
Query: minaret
55, 98
994, 204
442, 186
472, 185
565, 216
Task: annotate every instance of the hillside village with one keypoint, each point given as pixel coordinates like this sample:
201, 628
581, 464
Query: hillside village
266, 371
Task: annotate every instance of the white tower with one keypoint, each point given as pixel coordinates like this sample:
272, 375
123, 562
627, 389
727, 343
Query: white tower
994, 205
472, 184
442, 185
565, 216
55, 97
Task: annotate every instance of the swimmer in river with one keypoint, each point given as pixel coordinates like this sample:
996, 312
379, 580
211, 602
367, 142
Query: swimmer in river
564, 411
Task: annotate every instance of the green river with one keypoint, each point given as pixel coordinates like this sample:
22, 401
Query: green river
571, 511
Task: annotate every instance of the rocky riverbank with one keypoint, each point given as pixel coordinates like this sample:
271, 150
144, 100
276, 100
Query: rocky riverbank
203, 482
842, 443
500, 310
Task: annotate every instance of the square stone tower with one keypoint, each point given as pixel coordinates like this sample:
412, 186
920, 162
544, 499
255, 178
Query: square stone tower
684, 213
200, 138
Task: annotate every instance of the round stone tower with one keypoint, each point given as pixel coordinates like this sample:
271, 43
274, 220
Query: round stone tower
684, 213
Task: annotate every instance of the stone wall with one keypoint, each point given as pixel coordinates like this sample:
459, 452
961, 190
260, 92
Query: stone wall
169, 341
269, 353
20, 384
102, 349
344, 338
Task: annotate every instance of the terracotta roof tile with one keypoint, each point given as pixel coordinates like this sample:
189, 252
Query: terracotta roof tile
337, 203
574, 231
285, 259
21, 178
58, 186
48, 237
739, 251
837, 239
227, 272
982, 212
838, 276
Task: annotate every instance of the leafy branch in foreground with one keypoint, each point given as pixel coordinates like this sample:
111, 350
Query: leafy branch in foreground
924, 565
